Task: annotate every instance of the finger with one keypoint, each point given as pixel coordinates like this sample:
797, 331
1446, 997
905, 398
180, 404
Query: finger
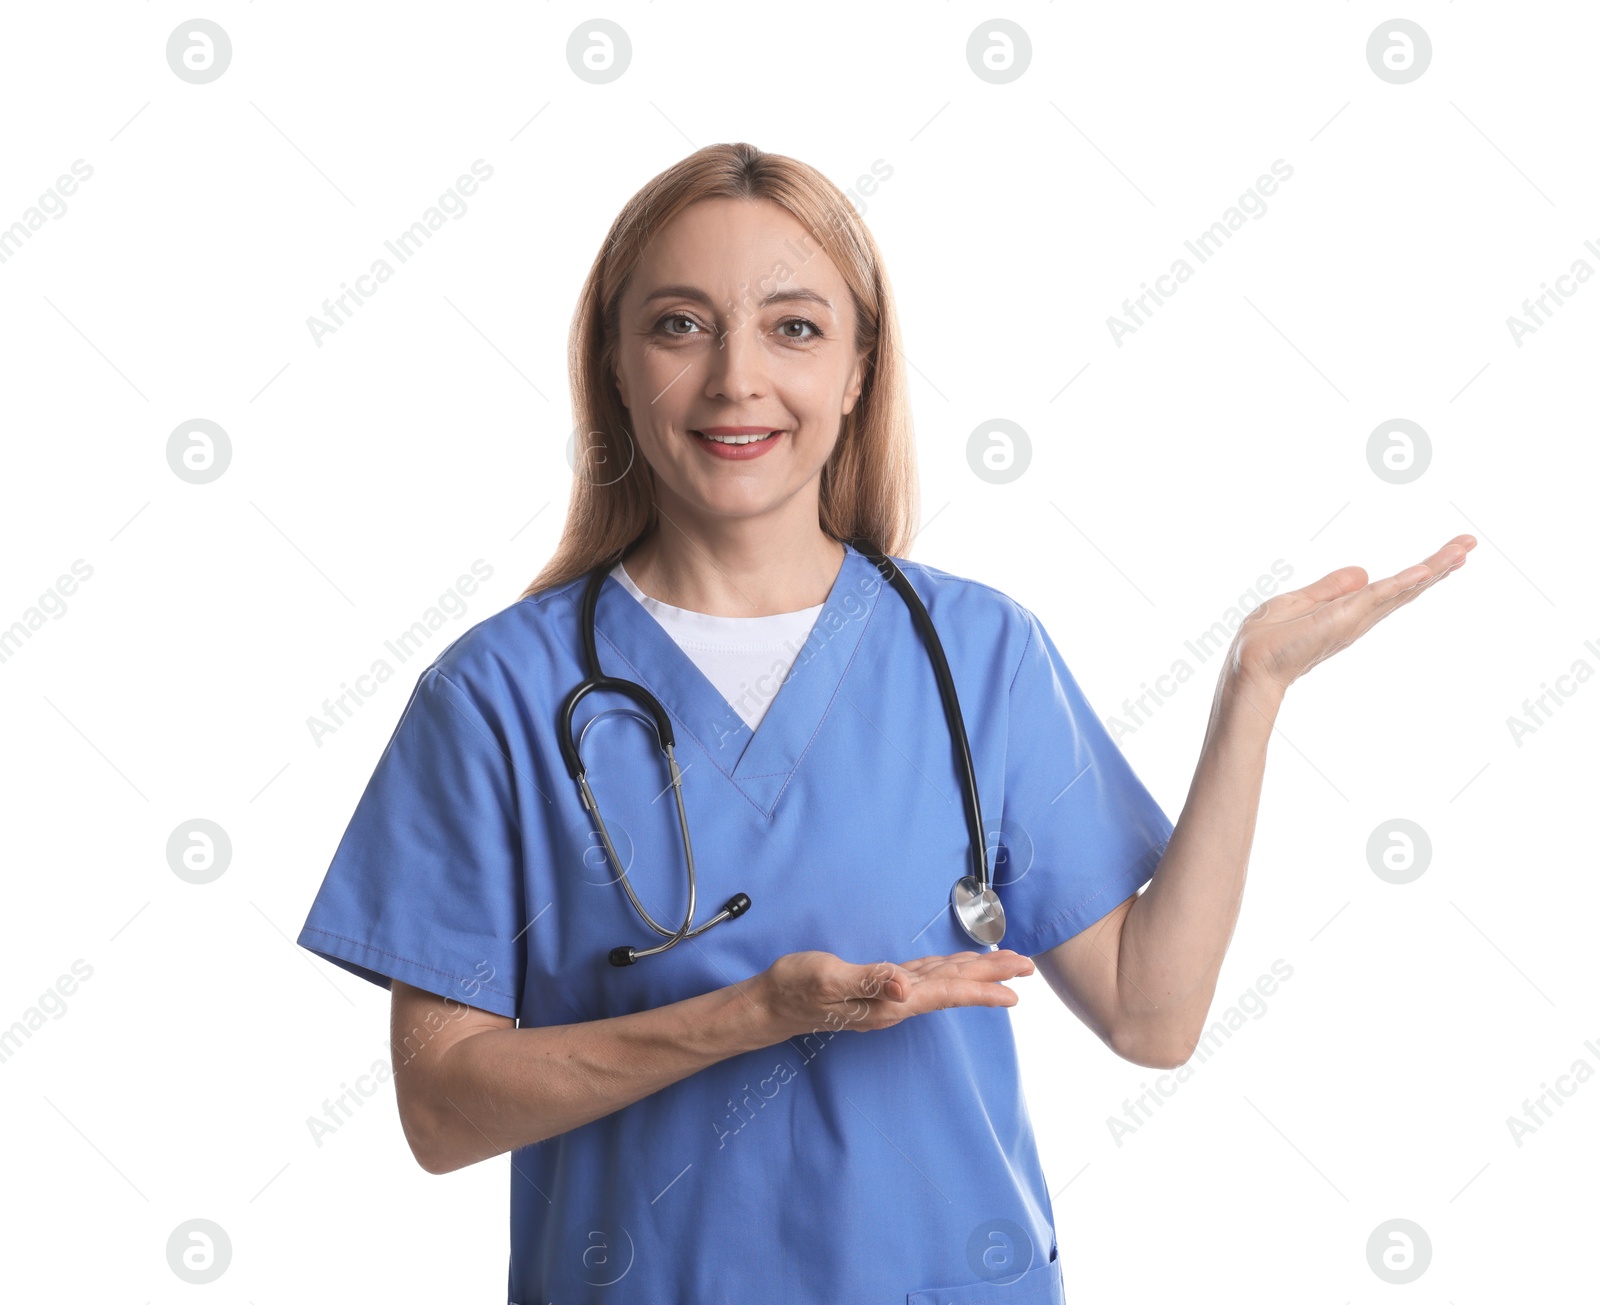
1406, 585
1355, 615
882, 979
1446, 559
1414, 591
941, 994
1350, 582
968, 992
1364, 608
1336, 584
1003, 964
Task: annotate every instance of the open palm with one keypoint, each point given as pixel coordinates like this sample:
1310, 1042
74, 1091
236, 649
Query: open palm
1291, 632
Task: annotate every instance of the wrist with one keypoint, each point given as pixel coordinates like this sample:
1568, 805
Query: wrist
1249, 697
754, 1019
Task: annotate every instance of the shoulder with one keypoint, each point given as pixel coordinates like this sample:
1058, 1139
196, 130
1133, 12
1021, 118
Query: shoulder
966, 607
504, 653
963, 597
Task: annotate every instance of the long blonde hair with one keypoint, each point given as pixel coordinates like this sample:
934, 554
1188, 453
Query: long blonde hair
868, 486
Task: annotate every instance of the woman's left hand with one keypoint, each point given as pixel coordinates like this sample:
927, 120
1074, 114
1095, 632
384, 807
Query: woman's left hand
1290, 633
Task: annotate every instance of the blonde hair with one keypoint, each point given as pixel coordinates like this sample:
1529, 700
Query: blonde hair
868, 486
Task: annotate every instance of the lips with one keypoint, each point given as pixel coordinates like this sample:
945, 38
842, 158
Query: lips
736, 435
737, 443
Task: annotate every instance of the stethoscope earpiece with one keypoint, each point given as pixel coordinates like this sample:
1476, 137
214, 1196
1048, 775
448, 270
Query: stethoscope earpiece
737, 905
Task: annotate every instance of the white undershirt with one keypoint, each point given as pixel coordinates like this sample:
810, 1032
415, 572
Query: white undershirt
745, 657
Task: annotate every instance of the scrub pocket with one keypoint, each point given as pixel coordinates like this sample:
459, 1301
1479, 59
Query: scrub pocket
1038, 1286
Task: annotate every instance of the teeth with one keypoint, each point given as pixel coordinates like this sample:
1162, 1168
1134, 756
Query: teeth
736, 439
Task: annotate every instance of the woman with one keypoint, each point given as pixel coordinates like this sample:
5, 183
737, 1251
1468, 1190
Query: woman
816, 1099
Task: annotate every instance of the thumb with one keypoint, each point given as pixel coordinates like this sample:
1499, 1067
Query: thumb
884, 979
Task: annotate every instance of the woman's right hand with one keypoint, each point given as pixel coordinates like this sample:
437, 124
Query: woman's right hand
806, 992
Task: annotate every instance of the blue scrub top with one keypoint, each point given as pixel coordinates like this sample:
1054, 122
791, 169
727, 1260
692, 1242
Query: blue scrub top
891, 1167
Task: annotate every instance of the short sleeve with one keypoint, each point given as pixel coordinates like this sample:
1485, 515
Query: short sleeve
1081, 833
426, 883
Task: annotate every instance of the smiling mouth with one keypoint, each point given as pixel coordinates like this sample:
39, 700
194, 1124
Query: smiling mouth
736, 439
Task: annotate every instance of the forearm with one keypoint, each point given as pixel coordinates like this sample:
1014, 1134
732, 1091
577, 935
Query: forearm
1177, 931
504, 1088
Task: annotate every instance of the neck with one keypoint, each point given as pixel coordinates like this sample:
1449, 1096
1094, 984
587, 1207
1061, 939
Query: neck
741, 568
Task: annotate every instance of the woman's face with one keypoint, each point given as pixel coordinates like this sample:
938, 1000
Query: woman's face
736, 318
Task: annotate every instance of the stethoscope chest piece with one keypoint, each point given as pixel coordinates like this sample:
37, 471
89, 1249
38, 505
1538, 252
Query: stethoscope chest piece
979, 911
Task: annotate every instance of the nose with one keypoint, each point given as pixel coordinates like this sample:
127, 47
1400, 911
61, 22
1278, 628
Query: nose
738, 365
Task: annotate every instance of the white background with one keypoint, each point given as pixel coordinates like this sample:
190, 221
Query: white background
1172, 471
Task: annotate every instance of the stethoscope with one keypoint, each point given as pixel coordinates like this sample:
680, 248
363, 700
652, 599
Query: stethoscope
975, 902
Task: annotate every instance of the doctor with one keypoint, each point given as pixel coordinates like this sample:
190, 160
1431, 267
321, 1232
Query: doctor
816, 1099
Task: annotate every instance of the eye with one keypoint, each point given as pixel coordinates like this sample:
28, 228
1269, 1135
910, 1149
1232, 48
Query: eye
816, 331
676, 317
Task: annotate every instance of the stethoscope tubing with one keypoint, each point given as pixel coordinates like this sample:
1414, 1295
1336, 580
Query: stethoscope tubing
979, 851
596, 681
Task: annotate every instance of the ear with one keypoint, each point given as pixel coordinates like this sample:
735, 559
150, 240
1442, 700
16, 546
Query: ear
852, 390
622, 390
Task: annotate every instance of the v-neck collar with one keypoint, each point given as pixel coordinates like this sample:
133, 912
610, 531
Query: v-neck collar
761, 763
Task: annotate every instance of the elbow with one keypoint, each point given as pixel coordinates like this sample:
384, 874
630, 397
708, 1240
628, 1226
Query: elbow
433, 1163
435, 1148
1154, 1058
1151, 1050
436, 1154
423, 1139
440, 1145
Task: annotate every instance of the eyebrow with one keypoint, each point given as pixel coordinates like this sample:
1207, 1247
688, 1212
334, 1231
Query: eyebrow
796, 295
